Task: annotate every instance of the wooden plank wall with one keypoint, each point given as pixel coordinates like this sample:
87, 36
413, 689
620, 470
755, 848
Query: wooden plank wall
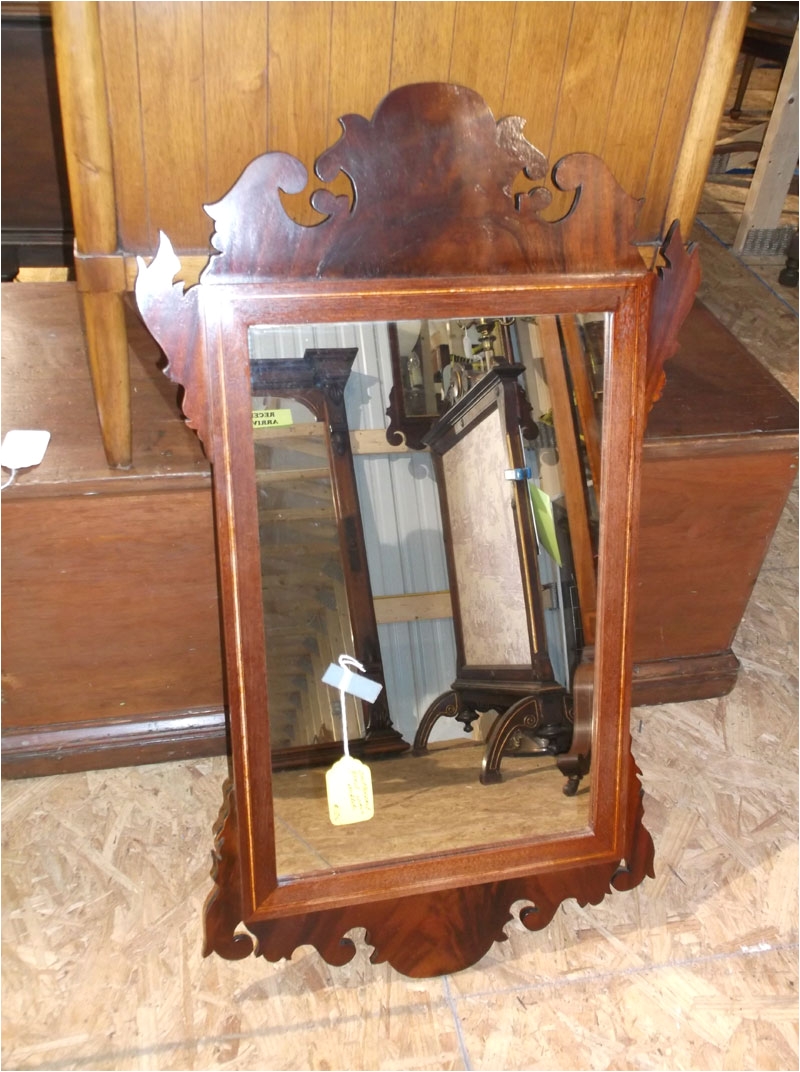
196, 90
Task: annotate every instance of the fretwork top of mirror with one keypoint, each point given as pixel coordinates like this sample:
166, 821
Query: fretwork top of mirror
433, 232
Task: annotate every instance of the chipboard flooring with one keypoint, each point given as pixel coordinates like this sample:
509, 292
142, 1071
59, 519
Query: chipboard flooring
105, 874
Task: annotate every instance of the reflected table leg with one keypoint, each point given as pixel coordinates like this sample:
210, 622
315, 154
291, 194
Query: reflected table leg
448, 705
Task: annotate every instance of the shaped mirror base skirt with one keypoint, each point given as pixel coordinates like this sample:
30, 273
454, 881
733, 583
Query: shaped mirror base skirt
422, 935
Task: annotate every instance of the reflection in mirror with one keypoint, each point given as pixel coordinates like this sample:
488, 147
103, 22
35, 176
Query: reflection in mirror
517, 554
306, 617
316, 596
434, 361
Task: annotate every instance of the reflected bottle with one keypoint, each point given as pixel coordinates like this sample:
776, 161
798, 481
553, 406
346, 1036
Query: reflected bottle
416, 400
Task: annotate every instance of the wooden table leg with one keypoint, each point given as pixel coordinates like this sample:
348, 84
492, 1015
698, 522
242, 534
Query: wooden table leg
99, 267
107, 345
747, 70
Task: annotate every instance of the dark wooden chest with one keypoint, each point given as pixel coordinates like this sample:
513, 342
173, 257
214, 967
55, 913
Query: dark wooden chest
111, 641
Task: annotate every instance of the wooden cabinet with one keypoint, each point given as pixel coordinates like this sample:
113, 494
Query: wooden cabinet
111, 644
159, 121
720, 456
111, 649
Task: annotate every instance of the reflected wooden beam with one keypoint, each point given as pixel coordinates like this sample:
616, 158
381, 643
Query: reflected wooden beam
571, 472
584, 399
422, 606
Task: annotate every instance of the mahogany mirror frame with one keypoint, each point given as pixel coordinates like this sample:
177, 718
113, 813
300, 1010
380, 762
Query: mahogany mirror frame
424, 915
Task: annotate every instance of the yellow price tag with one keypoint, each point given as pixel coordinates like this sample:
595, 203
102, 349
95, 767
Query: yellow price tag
349, 786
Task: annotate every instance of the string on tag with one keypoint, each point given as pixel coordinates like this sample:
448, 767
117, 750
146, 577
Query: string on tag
346, 661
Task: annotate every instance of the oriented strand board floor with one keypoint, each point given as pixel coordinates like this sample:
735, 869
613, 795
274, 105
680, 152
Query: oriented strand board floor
105, 873
424, 805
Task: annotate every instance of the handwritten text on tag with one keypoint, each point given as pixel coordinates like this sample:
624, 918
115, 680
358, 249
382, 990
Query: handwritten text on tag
349, 785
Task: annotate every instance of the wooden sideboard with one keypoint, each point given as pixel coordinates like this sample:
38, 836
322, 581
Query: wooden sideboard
111, 642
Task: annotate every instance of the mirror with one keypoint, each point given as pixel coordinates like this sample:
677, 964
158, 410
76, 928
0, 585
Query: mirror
316, 594
294, 338
306, 611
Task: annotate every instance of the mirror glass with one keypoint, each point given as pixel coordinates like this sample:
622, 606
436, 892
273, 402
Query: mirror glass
306, 614
431, 803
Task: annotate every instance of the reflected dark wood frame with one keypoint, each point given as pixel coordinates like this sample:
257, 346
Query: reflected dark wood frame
433, 232
408, 429
525, 697
318, 380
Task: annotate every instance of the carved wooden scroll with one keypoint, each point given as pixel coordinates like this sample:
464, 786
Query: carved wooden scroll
432, 173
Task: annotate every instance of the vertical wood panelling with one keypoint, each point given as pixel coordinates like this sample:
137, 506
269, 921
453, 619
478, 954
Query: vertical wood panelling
118, 35
535, 68
361, 38
361, 49
596, 38
645, 65
677, 102
298, 85
423, 41
170, 43
235, 92
222, 82
481, 46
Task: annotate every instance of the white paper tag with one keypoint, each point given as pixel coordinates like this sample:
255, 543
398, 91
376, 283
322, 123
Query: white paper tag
23, 448
342, 677
349, 786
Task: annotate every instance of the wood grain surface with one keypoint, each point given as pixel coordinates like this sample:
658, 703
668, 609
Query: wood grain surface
614, 78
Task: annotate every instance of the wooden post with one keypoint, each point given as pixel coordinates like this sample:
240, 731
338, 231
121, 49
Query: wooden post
776, 161
99, 266
722, 50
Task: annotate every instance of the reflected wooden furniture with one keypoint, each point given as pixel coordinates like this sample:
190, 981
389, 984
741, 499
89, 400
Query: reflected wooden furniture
722, 424
145, 150
292, 607
502, 659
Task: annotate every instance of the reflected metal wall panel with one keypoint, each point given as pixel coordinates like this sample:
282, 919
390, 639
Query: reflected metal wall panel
417, 658
400, 512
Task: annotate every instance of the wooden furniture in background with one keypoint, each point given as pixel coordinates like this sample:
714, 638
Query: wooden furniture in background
36, 224
111, 648
768, 35
722, 425
758, 228
720, 459
145, 150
